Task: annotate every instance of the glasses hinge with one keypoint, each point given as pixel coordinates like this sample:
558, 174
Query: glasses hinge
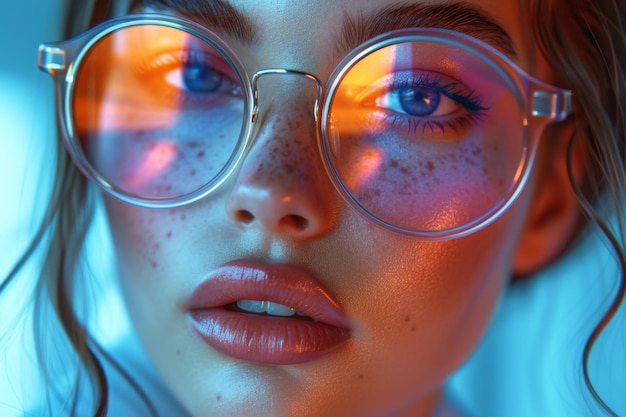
556, 106
51, 58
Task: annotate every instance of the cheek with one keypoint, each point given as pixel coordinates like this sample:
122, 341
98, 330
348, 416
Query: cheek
423, 307
143, 236
439, 296
429, 191
430, 179
161, 254
174, 160
157, 262
418, 310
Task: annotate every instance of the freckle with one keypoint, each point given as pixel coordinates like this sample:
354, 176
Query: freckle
168, 235
361, 376
430, 166
412, 329
178, 353
153, 264
183, 216
157, 246
218, 397
394, 163
192, 172
407, 318
200, 154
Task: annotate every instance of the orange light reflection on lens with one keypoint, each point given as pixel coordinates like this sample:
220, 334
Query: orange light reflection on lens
367, 166
156, 160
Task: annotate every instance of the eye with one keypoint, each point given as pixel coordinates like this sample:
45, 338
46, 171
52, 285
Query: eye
424, 101
200, 73
422, 95
418, 101
196, 77
200, 78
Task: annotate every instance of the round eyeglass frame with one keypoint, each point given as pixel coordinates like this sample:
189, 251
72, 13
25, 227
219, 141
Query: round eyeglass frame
539, 103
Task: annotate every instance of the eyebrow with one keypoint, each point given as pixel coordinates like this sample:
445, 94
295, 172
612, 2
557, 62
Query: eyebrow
460, 17
215, 14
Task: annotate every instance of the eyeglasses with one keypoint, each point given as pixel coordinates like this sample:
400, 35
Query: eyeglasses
427, 132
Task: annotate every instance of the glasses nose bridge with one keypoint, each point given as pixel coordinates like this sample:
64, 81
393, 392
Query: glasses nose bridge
283, 71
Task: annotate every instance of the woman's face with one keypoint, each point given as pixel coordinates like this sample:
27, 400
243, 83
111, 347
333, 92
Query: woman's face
399, 314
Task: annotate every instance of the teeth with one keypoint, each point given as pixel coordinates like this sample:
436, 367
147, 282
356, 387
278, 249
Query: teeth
273, 309
252, 306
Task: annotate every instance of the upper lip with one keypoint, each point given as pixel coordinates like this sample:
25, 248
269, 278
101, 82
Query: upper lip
278, 283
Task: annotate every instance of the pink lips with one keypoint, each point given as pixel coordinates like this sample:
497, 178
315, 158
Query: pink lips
263, 338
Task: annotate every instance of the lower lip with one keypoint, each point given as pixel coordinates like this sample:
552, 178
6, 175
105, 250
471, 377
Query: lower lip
266, 339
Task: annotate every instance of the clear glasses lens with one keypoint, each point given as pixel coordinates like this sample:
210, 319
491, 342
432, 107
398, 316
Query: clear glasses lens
425, 135
158, 112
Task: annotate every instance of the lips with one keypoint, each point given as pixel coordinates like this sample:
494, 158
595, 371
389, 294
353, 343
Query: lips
319, 327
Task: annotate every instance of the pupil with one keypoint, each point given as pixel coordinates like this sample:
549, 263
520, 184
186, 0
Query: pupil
419, 101
200, 78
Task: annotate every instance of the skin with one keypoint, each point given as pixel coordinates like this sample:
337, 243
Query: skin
417, 308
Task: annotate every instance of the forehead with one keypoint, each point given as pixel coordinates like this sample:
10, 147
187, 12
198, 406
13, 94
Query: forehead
298, 32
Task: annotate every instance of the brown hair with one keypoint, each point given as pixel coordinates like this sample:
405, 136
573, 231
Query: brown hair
586, 43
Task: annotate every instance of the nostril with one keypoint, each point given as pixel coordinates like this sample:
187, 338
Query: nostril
294, 222
244, 216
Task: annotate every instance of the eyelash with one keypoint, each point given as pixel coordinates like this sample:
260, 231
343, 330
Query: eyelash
467, 99
177, 61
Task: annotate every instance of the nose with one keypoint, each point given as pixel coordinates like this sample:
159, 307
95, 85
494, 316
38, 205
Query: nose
282, 186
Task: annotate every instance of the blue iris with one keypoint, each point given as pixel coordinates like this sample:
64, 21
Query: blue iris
419, 101
199, 78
